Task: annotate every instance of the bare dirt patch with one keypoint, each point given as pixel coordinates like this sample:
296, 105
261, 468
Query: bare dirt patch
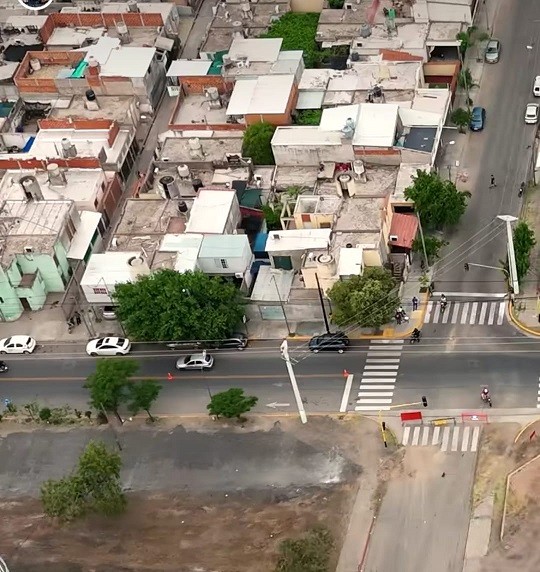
193, 529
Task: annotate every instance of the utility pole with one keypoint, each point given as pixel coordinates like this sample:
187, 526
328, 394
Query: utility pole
319, 290
284, 348
514, 283
426, 260
281, 304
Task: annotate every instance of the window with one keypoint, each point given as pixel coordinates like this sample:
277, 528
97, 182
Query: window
100, 290
224, 263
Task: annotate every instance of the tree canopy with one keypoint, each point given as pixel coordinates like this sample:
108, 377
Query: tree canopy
168, 305
433, 246
257, 143
142, 396
437, 201
524, 242
369, 300
461, 118
93, 487
231, 403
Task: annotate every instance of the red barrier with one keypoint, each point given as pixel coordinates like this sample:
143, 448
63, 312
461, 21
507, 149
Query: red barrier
479, 417
411, 416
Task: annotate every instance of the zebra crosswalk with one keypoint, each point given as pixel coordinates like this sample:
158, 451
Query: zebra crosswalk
466, 313
456, 438
379, 377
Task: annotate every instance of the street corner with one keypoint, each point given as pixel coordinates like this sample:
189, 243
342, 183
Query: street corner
520, 325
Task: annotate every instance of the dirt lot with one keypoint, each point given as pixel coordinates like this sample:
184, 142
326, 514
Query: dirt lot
499, 457
208, 528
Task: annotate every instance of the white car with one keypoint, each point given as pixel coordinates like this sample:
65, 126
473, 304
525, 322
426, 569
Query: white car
17, 345
536, 86
531, 113
196, 361
108, 347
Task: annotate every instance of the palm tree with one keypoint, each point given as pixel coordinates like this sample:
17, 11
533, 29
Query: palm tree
461, 118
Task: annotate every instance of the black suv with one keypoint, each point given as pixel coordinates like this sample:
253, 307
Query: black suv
236, 341
336, 342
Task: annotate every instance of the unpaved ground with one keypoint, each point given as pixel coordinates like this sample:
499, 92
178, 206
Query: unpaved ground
210, 528
499, 457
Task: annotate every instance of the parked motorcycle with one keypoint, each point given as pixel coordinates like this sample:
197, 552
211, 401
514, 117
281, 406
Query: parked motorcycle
3, 367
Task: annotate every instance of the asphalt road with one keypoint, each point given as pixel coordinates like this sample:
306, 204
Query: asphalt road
501, 149
449, 371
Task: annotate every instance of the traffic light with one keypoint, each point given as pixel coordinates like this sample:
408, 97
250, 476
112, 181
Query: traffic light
466, 266
424, 400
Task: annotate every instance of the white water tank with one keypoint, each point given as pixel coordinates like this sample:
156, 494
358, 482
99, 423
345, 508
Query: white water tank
90, 101
56, 176
35, 64
326, 266
183, 171
132, 6
137, 267
195, 144
123, 33
212, 93
68, 149
31, 188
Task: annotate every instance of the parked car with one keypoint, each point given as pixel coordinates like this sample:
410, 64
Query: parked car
17, 345
111, 346
196, 361
536, 86
336, 342
531, 113
478, 119
493, 51
236, 341
109, 312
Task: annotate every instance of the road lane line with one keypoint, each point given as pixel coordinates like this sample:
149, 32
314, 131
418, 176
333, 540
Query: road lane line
364, 400
415, 436
469, 294
475, 435
382, 360
455, 311
380, 373
376, 387
465, 440
437, 313
346, 393
372, 408
375, 393
435, 439
386, 342
446, 314
445, 439
492, 309
425, 436
406, 433
483, 311
381, 366
377, 380
474, 309
500, 318
385, 354
464, 313
455, 439
427, 316
381, 349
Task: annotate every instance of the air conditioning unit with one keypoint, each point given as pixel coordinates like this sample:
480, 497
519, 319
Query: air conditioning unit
348, 6
393, 238
238, 275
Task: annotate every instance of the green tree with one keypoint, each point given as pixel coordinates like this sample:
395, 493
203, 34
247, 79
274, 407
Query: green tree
109, 384
467, 40
169, 305
93, 487
311, 553
433, 246
231, 403
308, 116
272, 216
438, 202
465, 79
298, 32
142, 395
524, 242
369, 300
461, 118
257, 143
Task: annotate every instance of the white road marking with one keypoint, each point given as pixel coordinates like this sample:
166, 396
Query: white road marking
364, 400
455, 439
372, 408
380, 373
383, 360
382, 366
415, 436
455, 313
437, 313
464, 313
465, 441
475, 435
425, 436
500, 318
386, 342
374, 387
385, 354
446, 313
427, 316
445, 439
346, 393
474, 308
483, 311
468, 295
491, 317
378, 380
375, 393
436, 432
406, 433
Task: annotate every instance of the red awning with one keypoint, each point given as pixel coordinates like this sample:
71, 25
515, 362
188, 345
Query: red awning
403, 230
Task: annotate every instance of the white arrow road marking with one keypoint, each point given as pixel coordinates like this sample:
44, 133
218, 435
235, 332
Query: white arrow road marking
274, 405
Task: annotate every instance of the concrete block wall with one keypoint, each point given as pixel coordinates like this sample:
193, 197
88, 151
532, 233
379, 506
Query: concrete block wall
72, 163
195, 85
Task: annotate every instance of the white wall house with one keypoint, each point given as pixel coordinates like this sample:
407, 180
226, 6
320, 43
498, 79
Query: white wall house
104, 271
286, 248
214, 212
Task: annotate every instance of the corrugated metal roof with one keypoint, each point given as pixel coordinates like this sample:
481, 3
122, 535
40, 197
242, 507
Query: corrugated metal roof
404, 227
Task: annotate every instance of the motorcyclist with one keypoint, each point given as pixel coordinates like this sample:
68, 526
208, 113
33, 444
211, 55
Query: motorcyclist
3, 365
416, 333
485, 394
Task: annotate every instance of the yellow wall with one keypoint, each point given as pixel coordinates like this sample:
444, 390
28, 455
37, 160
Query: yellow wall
316, 221
307, 5
372, 258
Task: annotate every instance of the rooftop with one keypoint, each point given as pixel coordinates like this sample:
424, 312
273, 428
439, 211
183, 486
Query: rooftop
410, 36
212, 148
233, 16
128, 61
287, 63
186, 68
376, 125
390, 76
297, 240
264, 95
196, 109
218, 40
255, 49
432, 100
444, 32
403, 230
360, 214
109, 268
404, 179
210, 211
186, 247
305, 135
113, 107
317, 204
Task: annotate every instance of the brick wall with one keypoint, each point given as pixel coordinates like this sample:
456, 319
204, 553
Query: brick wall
195, 85
112, 196
107, 20
71, 123
277, 119
204, 127
71, 163
113, 132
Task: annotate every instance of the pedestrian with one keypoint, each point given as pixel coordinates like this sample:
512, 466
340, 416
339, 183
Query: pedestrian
414, 303
492, 183
398, 318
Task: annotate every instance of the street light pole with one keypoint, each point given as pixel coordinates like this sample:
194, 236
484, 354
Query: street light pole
281, 304
284, 348
509, 219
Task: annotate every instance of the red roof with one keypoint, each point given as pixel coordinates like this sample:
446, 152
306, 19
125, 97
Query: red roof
397, 56
405, 227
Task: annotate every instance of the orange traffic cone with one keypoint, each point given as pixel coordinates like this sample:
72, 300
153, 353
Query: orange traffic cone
169, 376
345, 373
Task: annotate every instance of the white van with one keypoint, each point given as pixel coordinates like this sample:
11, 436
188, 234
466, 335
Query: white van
536, 86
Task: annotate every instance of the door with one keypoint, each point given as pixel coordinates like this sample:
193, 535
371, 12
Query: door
283, 262
25, 304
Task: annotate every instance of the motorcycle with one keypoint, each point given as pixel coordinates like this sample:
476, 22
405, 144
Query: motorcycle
415, 338
3, 368
486, 397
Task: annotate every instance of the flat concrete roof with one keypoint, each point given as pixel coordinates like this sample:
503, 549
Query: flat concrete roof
178, 150
297, 240
128, 61
287, 63
115, 107
432, 100
445, 32
232, 16
255, 49
334, 118
210, 211
195, 109
305, 136
360, 214
184, 68
404, 179
315, 79
217, 40
376, 126
264, 95
110, 268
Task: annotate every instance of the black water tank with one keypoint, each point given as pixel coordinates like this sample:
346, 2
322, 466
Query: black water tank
197, 185
182, 207
90, 95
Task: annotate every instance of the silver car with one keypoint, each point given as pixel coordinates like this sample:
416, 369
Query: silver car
531, 113
493, 51
196, 361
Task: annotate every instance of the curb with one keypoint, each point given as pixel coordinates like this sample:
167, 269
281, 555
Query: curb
519, 325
